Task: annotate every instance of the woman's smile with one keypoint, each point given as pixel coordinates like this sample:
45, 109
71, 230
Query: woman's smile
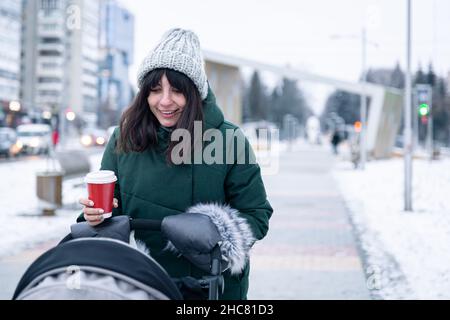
168, 114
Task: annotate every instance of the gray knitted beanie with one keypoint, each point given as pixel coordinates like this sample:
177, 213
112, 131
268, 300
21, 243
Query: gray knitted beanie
179, 50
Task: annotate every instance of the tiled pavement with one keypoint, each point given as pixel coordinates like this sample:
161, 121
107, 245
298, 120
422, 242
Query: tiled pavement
12, 268
310, 251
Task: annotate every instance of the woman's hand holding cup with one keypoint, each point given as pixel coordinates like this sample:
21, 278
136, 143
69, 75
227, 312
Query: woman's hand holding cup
100, 202
94, 216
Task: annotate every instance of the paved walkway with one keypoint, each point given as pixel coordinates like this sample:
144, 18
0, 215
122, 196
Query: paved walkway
310, 251
12, 268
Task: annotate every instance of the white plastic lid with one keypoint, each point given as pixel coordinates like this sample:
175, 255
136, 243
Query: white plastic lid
100, 177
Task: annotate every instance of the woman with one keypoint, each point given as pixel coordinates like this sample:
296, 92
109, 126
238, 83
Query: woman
153, 183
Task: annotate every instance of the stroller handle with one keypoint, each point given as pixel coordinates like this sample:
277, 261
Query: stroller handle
145, 224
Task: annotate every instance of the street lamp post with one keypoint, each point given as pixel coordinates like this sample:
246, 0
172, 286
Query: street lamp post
363, 107
62, 127
363, 95
430, 146
407, 109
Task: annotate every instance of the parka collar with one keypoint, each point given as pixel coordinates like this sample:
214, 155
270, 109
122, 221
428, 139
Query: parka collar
213, 116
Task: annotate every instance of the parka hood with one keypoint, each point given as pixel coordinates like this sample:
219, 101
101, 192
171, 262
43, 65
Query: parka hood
213, 116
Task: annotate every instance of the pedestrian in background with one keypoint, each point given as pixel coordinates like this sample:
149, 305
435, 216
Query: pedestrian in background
335, 140
55, 137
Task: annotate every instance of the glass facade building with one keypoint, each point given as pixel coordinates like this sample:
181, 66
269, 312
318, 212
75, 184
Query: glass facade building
116, 55
10, 46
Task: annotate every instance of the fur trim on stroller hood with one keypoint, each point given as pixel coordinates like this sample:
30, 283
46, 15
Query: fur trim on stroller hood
235, 232
138, 244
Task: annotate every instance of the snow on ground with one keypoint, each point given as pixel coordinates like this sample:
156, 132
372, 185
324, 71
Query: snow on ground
407, 254
21, 224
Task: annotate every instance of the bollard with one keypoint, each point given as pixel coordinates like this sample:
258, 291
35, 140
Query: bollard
49, 191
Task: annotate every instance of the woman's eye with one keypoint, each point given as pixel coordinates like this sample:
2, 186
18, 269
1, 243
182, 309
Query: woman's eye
176, 90
155, 89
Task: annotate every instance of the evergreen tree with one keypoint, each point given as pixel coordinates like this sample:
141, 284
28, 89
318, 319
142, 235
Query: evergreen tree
387, 77
344, 104
397, 77
287, 98
292, 101
420, 76
275, 106
246, 112
257, 99
440, 105
440, 109
430, 76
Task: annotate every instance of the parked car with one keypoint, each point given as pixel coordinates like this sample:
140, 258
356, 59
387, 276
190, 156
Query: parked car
35, 138
94, 137
9, 145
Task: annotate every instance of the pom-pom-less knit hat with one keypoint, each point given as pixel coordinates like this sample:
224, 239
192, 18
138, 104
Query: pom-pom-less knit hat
179, 50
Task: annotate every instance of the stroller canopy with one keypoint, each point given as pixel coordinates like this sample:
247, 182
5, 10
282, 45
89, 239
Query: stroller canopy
107, 269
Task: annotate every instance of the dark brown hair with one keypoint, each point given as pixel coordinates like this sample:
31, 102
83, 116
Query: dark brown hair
138, 125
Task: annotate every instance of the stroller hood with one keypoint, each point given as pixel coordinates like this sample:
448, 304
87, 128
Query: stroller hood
114, 257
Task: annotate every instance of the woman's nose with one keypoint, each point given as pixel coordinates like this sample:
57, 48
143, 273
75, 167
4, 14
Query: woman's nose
166, 98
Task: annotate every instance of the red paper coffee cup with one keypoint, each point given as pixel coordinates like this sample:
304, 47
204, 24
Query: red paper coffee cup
100, 186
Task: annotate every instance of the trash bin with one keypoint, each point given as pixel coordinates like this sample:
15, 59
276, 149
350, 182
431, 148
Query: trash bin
436, 153
49, 190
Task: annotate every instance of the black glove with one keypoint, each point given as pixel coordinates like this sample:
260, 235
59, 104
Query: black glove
193, 235
116, 228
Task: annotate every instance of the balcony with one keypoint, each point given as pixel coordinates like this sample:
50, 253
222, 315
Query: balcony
55, 18
47, 100
50, 86
49, 72
58, 47
53, 33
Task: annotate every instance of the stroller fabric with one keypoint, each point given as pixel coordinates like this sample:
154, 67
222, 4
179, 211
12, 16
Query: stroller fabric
102, 257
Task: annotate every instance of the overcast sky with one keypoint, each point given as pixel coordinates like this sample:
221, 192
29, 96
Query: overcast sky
300, 32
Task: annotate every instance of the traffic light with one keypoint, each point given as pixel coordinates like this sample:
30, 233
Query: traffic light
423, 92
424, 120
424, 109
423, 106
358, 126
70, 115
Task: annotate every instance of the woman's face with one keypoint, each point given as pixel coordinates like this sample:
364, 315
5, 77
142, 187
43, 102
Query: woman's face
166, 103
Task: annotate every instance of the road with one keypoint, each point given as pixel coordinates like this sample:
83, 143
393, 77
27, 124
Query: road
21, 158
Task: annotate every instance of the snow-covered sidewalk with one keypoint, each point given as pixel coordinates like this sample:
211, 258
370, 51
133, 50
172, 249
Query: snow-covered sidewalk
21, 225
407, 253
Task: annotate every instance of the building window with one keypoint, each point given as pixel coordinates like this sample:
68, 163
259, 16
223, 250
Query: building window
48, 6
50, 65
49, 80
49, 93
90, 85
50, 26
49, 53
125, 58
8, 75
50, 40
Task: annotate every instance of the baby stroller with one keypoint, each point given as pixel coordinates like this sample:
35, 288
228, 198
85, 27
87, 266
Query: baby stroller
99, 263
